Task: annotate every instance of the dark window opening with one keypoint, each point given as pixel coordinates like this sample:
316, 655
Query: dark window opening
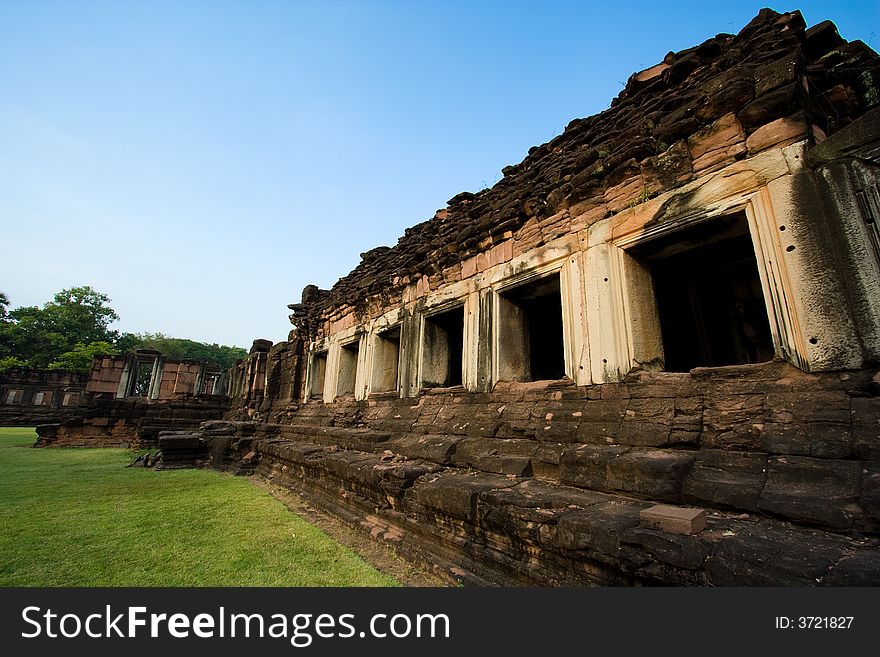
319, 368
443, 348
709, 296
348, 359
531, 343
386, 357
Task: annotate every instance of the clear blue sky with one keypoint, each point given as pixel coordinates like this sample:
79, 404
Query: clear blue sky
201, 162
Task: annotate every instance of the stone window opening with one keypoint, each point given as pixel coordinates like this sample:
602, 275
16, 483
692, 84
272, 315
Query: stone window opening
13, 397
143, 377
386, 361
531, 343
318, 371
443, 349
709, 297
42, 398
348, 362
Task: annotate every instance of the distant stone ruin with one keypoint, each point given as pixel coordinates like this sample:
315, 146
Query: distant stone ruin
30, 396
130, 399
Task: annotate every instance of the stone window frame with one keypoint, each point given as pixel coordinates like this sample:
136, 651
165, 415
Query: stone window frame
568, 267
42, 398
384, 326
469, 341
635, 316
13, 396
316, 350
336, 349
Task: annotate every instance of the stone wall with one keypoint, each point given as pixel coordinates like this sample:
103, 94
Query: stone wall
29, 397
544, 484
130, 398
131, 422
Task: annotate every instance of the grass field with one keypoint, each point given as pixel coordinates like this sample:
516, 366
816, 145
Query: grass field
77, 517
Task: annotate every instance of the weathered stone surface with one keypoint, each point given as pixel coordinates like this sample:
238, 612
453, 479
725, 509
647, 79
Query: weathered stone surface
718, 143
814, 490
778, 133
652, 473
861, 569
767, 107
456, 494
832, 407
870, 499
727, 479
762, 555
817, 439
866, 427
587, 466
530, 509
431, 447
493, 455
733, 421
598, 528
671, 548
775, 74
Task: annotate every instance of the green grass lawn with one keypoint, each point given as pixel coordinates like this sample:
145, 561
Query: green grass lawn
77, 517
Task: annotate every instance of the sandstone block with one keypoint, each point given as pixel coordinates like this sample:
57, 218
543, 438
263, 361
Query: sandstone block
456, 494
778, 133
820, 491
598, 528
866, 427
773, 555
717, 143
677, 550
727, 478
673, 519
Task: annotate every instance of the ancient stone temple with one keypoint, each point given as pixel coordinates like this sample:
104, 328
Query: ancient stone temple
129, 399
29, 396
649, 354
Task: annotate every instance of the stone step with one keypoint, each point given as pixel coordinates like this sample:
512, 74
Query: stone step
508, 517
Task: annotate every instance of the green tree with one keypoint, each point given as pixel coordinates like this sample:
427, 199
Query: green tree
218, 356
8, 362
79, 359
38, 336
82, 315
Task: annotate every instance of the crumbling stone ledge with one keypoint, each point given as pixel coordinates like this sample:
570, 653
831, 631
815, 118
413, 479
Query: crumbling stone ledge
489, 529
494, 528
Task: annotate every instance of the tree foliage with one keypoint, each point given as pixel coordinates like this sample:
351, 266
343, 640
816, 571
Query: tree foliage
39, 336
219, 356
8, 362
79, 359
67, 332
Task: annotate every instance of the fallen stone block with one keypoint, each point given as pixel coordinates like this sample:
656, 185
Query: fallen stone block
673, 519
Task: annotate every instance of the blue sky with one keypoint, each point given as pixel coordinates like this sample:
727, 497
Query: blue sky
201, 162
